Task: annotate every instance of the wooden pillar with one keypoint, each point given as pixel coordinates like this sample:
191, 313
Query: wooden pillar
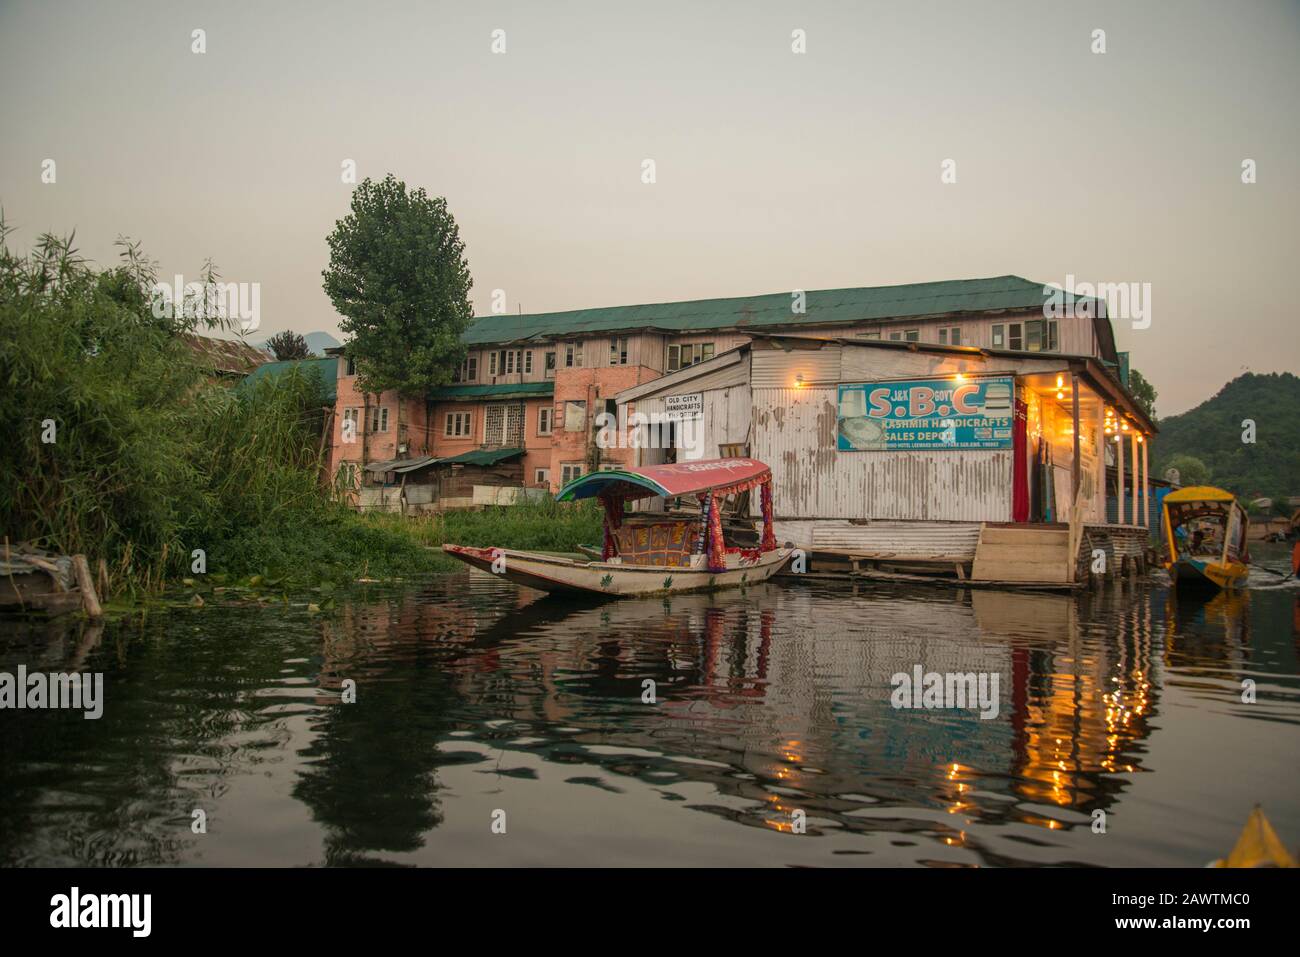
1119, 474
1075, 468
1133, 447
1146, 486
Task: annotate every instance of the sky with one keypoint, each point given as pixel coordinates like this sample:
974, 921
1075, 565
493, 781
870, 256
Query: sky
774, 170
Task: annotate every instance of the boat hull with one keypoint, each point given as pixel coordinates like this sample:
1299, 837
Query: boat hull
1208, 575
552, 573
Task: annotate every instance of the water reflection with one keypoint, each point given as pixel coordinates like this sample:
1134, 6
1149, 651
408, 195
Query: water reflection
473, 695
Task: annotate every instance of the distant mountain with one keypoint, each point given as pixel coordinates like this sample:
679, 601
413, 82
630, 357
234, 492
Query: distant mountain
1212, 432
318, 342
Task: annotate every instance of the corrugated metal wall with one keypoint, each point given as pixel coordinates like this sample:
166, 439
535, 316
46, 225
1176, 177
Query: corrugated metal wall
795, 433
954, 541
726, 420
777, 369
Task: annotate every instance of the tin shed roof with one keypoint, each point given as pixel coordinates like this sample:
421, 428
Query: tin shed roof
481, 457
230, 356
508, 390
772, 310
326, 368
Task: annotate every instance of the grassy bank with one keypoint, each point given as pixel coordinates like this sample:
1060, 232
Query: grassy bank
117, 443
546, 526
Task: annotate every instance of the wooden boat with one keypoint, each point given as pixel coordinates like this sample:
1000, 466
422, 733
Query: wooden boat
1257, 846
649, 554
1205, 533
36, 582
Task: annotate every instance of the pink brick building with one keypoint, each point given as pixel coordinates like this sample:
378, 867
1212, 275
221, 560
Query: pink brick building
536, 383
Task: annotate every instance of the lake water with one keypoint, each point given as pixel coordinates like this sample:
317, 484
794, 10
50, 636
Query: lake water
771, 739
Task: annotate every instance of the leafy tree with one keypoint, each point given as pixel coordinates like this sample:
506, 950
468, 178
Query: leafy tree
1191, 470
289, 345
398, 276
1143, 391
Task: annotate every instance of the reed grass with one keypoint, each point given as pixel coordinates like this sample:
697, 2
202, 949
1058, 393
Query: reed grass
153, 458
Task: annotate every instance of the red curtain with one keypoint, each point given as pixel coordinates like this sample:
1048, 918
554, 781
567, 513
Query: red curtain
1019, 464
613, 519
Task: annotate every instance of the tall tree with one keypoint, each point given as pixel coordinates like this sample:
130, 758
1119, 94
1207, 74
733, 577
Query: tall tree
289, 345
1143, 391
398, 276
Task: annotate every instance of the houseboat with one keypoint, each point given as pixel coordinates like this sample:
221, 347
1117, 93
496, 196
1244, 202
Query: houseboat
652, 554
903, 457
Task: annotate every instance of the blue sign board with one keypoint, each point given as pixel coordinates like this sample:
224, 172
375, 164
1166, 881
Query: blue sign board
946, 413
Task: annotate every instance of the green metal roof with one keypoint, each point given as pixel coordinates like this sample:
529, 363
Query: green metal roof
511, 390
757, 312
481, 457
327, 368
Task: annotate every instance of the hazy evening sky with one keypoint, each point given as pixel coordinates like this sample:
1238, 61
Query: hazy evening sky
775, 171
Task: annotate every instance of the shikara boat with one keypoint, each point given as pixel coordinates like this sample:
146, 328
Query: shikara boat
1257, 846
652, 554
1206, 538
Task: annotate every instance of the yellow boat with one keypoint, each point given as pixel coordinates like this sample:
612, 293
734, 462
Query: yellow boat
1258, 846
1205, 531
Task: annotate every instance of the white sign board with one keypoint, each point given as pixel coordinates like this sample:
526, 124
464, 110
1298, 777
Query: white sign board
684, 406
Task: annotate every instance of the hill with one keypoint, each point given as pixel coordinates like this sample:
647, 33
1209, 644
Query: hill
1212, 432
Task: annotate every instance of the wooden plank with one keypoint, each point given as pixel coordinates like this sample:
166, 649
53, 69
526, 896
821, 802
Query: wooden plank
1016, 536
1029, 552
89, 600
1019, 571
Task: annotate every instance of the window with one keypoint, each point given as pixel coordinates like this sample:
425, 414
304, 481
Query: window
912, 335
550, 365
458, 425
503, 424
1040, 335
950, 336
528, 361
570, 471
468, 370
492, 363
542, 477
618, 351
1036, 335
688, 354
575, 416
353, 416
544, 416
379, 419
868, 335
573, 355
511, 361
349, 366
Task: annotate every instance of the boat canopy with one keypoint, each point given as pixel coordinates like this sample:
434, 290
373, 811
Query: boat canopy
723, 476
1200, 493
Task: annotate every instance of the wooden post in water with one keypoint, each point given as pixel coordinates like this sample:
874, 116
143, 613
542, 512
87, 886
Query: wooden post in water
1133, 491
1146, 487
89, 600
1075, 468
